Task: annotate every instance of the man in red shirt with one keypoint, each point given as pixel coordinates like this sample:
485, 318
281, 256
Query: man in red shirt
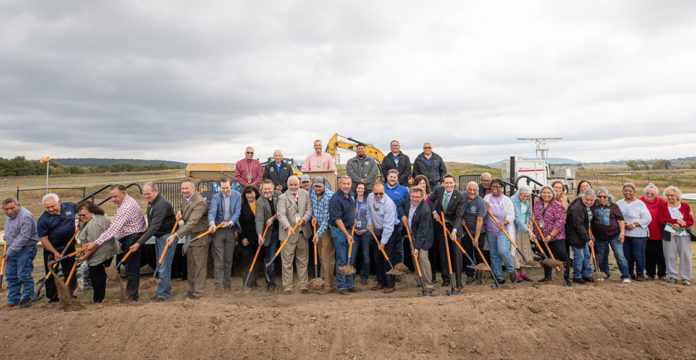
248, 171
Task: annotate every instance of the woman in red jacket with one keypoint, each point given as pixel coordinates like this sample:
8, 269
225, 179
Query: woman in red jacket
654, 255
675, 218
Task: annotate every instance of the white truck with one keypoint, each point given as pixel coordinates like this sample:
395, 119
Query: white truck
537, 172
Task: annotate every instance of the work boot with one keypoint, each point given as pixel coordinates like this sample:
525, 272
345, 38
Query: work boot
548, 274
469, 280
513, 276
459, 285
588, 279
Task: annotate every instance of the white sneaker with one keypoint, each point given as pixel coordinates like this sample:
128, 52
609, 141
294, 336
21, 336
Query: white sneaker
627, 280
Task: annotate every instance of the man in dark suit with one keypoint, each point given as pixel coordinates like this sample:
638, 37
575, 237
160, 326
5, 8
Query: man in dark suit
266, 207
278, 170
448, 199
416, 213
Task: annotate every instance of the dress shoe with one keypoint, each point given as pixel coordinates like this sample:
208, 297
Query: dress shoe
304, 291
579, 281
9, 305
377, 287
363, 282
325, 291
270, 287
389, 290
343, 292
459, 285
588, 279
445, 283
353, 290
567, 282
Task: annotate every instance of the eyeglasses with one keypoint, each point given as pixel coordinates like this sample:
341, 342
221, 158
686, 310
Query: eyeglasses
81, 215
496, 186
250, 152
602, 197
378, 193
427, 147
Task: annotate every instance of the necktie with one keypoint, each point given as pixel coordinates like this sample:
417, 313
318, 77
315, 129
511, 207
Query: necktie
446, 202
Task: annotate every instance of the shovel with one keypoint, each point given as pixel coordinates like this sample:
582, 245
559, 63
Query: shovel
527, 263
347, 269
188, 240
415, 261
392, 270
37, 295
283, 244
112, 272
317, 282
456, 242
155, 281
482, 258
2, 269
253, 262
453, 291
597, 274
548, 249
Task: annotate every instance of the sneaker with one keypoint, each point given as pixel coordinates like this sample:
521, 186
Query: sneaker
579, 281
469, 280
519, 278
640, 278
626, 280
686, 282
650, 277
526, 278
663, 278
671, 280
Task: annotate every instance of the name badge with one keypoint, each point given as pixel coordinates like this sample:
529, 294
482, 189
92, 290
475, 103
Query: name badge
541, 222
358, 223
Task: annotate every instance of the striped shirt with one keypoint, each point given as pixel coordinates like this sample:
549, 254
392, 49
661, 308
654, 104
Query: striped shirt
320, 209
129, 220
20, 231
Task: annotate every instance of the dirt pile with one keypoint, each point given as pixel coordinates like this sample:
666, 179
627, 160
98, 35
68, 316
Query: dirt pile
609, 320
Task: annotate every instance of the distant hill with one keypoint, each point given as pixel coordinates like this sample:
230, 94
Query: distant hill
552, 161
94, 162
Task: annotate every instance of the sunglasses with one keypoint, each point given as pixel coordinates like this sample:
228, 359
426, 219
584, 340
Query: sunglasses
427, 147
81, 215
250, 152
378, 193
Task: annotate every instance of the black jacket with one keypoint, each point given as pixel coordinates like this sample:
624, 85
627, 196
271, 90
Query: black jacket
434, 172
270, 172
160, 218
482, 191
422, 224
247, 220
404, 167
577, 224
455, 207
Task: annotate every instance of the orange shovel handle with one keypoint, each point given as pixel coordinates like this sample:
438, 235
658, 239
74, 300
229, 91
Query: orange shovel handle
445, 233
315, 244
378, 244
287, 237
410, 241
502, 229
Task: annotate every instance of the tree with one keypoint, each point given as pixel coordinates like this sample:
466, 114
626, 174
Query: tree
632, 164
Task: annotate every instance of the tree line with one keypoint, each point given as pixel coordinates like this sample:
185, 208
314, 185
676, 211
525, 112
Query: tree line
20, 166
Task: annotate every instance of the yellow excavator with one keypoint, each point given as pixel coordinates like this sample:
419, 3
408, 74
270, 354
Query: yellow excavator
338, 141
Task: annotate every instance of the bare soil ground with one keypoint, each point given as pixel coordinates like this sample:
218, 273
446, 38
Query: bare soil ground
653, 320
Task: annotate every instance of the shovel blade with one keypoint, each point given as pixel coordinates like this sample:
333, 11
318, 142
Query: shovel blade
187, 243
31, 302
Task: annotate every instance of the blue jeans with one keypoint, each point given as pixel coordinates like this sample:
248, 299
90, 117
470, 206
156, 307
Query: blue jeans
634, 250
268, 252
581, 262
18, 269
343, 282
363, 242
500, 250
603, 256
164, 289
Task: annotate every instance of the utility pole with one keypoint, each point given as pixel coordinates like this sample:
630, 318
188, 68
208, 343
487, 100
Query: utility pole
542, 148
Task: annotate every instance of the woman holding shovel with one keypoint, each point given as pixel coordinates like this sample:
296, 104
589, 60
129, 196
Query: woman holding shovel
523, 229
551, 218
94, 223
502, 208
577, 229
248, 237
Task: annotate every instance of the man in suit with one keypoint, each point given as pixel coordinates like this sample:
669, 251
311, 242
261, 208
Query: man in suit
224, 209
448, 199
295, 206
416, 213
194, 213
278, 170
266, 212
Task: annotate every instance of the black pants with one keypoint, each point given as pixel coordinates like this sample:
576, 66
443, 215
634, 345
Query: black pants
468, 245
381, 266
654, 257
247, 256
65, 267
558, 248
132, 265
457, 259
97, 276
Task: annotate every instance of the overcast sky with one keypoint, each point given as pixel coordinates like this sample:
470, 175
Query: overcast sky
195, 82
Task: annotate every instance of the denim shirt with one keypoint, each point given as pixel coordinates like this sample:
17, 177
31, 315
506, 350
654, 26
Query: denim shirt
361, 214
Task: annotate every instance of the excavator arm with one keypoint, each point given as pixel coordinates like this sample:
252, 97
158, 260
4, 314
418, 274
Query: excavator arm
336, 142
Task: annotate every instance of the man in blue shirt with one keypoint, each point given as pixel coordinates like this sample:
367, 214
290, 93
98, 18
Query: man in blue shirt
56, 227
341, 219
397, 194
382, 219
21, 237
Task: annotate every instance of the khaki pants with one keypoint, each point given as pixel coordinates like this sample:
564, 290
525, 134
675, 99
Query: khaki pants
327, 255
426, 271
299, 252
196, 265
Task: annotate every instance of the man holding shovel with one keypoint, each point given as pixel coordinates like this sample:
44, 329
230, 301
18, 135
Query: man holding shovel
56, 227
160, 217
449, 200
266, 208
416, 213
225, 208
341, 220
295, 207
321, 196
126, 228
21, 238
382, 220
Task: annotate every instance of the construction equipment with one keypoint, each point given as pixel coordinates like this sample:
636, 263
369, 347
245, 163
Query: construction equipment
449, 259
415, 261
538, 172
335, 143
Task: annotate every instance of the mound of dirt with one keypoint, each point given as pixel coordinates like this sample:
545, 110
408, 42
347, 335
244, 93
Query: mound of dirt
346, 270
317, 283
620, 321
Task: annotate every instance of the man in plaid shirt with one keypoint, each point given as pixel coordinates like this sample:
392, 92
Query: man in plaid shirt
126, 227
320, 208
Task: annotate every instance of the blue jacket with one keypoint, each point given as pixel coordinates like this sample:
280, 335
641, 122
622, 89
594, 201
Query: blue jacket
521, 223
216, 210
